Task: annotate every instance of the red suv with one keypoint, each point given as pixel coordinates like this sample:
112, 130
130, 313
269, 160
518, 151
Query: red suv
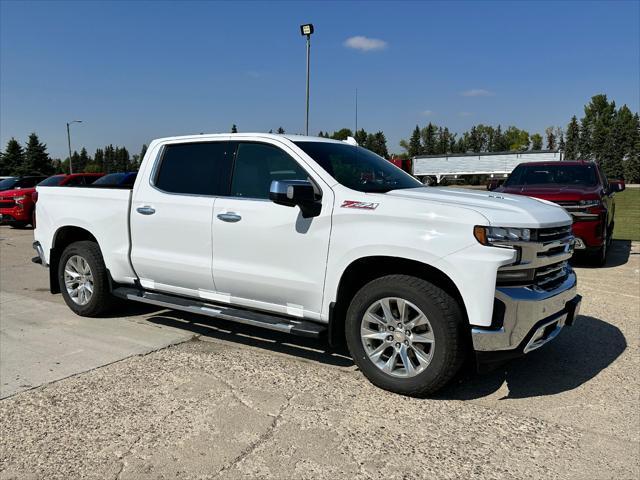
17, 206
582, 189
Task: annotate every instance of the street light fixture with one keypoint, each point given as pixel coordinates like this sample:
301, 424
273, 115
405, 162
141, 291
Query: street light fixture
307, 30
69, 143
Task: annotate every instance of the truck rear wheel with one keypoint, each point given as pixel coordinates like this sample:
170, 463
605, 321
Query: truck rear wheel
405, 334
83, 279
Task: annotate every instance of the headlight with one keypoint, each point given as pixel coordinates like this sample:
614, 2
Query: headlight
497, 235
589, 203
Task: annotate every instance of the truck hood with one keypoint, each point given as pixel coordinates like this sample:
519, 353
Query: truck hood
500, 209
553, 193
17, 192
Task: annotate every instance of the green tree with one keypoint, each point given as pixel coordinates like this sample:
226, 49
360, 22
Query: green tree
632, 161
550, 133
361, 136
572, 144
234, 128
377, 143
518, 140
36, 158
83, 160
280, 131
500, 143
414, 147
428, 135
536, 142
342, 134
12, 158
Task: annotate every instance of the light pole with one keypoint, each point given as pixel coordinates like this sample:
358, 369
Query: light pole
306, 30
69, 142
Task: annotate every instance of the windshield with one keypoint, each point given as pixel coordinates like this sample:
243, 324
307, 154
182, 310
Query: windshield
51, 181
584, 175
358, 168
8, 183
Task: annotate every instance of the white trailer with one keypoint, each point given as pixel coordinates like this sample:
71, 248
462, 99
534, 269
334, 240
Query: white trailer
428, 168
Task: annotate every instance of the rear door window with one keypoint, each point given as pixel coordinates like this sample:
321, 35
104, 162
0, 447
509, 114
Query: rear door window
257, 165
195, 168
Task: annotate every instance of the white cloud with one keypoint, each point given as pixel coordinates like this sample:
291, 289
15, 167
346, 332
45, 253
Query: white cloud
427, 113
477, 92
465, 114
365, 44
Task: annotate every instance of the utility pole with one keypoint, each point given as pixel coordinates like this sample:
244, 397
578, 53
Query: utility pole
69, 143
307, 30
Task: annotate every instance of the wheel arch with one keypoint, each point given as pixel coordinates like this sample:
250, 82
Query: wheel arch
365, 269
62, 238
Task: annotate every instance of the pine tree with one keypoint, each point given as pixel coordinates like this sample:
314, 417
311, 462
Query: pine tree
415, 147
36, 158
280, 131
234, 128
83, 161
560, 138
572, 145
75, 161
551, 138
632, 162
536, 142
13, 158
429, 139
342, 134
361, 136
98, 160
499, 141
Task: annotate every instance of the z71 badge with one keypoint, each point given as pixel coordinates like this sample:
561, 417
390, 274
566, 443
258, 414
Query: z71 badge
359, 205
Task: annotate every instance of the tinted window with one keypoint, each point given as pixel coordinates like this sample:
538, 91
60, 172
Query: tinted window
27, 182
358, 168
52, 181
195, 168
75, 181
524, 174
111, 179
257, 165
8, 183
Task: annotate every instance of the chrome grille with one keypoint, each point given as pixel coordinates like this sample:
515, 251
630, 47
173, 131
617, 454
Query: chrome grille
545, 258
553, 234
552, 275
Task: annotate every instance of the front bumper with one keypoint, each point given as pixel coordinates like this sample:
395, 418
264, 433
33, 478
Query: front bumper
14, 214
526, 318
589, 234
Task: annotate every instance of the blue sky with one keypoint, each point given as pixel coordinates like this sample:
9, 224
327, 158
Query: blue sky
134, 71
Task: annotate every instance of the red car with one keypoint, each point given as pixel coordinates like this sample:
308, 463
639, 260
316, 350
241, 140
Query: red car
582, 189
17, 206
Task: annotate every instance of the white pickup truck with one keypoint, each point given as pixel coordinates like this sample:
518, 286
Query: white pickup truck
318, 237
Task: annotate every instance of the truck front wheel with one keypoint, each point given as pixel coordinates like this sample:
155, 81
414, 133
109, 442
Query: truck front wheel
405, 334
83, 279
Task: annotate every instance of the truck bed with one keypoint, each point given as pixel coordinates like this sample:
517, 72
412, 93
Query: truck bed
102, 211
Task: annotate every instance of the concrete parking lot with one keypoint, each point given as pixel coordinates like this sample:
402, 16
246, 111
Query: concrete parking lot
161, 394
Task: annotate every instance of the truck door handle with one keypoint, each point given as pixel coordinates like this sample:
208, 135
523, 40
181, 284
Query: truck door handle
229, 217
146, 210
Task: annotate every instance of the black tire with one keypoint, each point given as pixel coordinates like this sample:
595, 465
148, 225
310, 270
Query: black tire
599, 257
101, 300
18, 224
445, 317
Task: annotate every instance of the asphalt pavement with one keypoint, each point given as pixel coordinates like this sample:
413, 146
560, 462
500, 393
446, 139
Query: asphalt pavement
160, 394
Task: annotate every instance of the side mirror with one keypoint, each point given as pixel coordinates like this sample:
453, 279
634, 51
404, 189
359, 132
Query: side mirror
291, 193
616, 185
